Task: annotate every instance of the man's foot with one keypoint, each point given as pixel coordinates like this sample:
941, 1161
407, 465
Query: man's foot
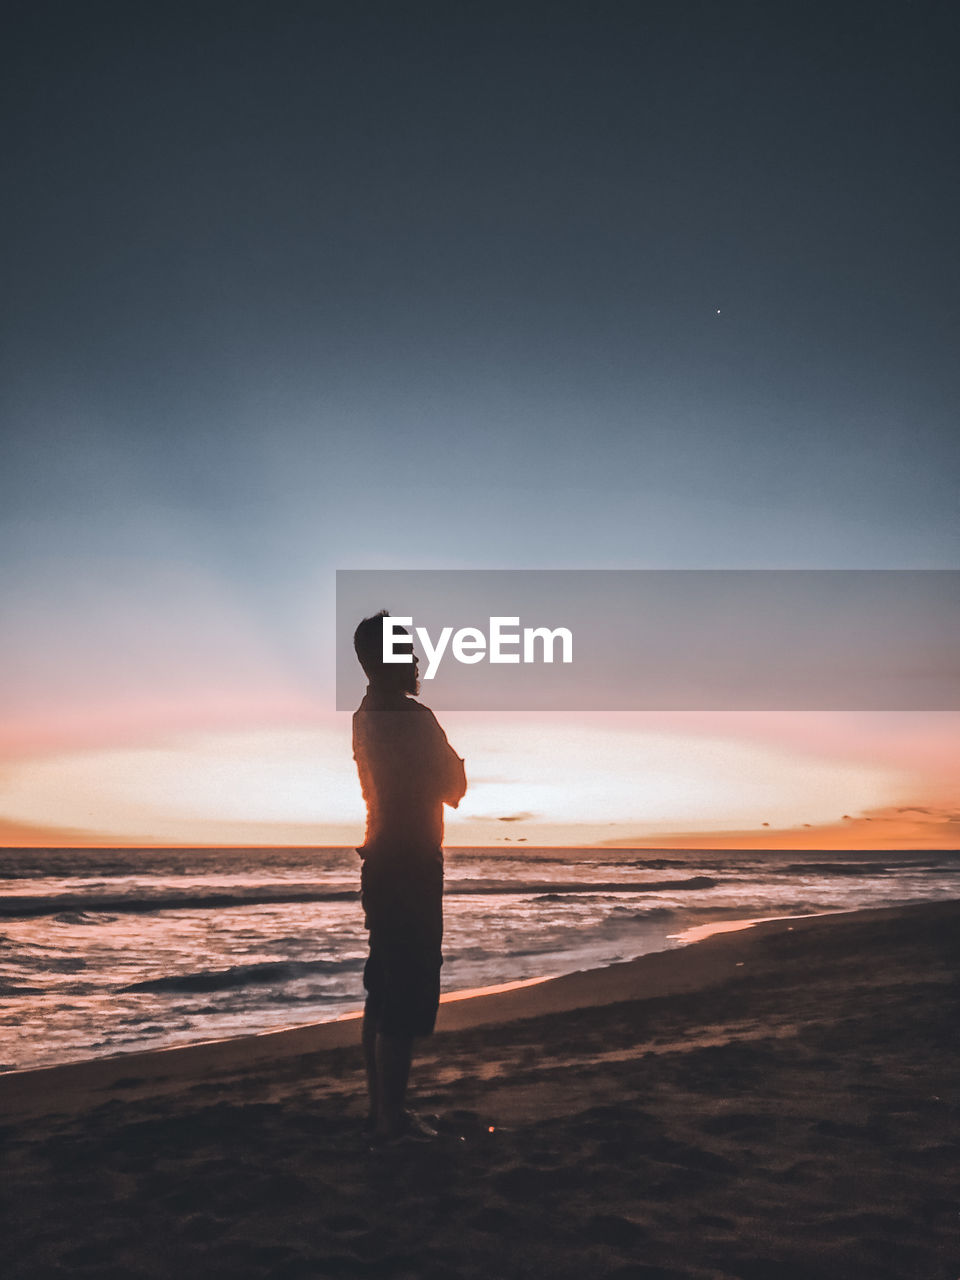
409, 1128
421, 1125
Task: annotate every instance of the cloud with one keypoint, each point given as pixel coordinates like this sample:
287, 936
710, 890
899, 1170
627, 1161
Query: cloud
903, 827
927, 813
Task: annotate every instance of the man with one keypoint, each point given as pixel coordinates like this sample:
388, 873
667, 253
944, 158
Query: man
408, 772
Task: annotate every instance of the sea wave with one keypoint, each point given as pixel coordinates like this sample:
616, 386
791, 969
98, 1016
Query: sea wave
581, 887
65, 904
18, 989
244, 975
871, 868
836, 869
69, 908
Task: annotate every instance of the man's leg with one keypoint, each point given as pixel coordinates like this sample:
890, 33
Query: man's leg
393, 1056
370, 1062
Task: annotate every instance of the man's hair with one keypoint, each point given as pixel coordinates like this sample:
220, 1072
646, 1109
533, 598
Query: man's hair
368, 643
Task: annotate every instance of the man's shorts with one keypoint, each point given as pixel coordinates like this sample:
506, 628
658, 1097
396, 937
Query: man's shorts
403, 903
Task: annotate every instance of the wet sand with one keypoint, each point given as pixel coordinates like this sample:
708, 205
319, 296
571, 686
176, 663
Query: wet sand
781, 1102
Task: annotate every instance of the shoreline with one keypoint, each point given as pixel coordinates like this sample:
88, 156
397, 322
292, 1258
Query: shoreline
778, 1101
711, 959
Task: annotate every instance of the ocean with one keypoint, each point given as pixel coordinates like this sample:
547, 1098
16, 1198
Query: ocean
107, 951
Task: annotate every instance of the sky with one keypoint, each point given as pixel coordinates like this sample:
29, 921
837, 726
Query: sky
297, 287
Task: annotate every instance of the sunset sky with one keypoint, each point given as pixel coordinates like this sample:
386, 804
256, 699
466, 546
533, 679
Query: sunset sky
306, 286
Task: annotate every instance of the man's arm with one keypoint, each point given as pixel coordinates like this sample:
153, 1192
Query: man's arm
450, 773
456, 781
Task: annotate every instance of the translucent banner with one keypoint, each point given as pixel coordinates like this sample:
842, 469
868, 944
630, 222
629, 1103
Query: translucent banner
662, 639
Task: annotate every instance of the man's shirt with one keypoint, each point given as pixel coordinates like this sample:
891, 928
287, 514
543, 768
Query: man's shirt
408, 771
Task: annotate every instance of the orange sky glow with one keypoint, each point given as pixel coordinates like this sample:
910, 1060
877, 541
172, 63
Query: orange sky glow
657, 780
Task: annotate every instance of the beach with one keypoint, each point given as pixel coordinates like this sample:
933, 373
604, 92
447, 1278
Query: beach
778, 1101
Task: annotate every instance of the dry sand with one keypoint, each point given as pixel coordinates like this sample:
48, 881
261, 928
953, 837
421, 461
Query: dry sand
780, 1102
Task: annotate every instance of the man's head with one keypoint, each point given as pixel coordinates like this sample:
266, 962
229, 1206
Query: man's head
401, 677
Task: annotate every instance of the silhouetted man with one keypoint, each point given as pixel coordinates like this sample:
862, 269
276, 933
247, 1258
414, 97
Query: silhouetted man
408, 772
